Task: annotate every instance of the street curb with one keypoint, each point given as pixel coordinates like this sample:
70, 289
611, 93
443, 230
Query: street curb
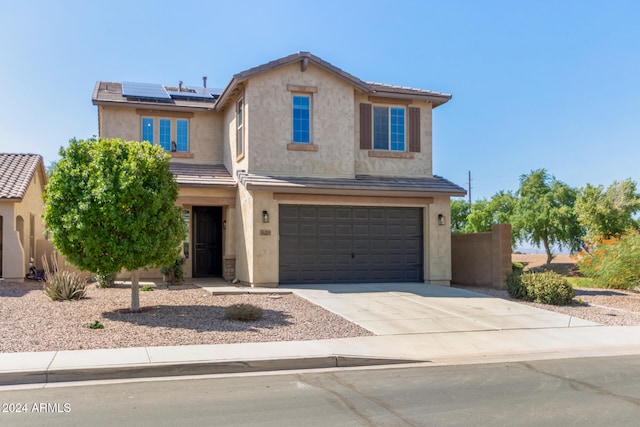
189, 368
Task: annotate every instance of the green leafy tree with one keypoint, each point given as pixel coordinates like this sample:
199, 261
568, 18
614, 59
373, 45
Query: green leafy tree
485, 213
110, 205
459, 212
544, 213
607, 212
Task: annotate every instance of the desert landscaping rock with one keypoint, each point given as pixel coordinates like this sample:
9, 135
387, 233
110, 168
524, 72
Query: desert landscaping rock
177, 315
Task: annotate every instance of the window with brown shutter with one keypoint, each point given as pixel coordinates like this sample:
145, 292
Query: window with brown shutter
365, 126
414, 129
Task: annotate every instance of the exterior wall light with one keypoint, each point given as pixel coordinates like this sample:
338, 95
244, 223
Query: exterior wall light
265, 216
441, 220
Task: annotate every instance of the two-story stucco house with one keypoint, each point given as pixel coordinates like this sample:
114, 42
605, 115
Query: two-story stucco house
297, 172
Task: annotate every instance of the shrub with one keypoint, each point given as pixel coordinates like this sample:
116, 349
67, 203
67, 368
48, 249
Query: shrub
243, 312
173, 274
517, 266
546, 288
62, 284
146, 288
612, 262
105, 280
514, 285
96, 324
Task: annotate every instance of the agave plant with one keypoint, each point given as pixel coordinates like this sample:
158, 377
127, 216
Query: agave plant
62, 284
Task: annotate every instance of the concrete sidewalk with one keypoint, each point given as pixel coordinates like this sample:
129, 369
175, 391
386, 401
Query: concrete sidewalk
412, 323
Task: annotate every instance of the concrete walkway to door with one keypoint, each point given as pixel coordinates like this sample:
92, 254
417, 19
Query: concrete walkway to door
416, 308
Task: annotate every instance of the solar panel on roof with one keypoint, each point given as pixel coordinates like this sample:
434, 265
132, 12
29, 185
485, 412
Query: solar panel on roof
185, 94
144, 90
213, 91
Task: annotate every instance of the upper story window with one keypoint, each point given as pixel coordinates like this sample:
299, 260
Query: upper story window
301, 119
388, 128
240, 128
173, 134
147, 129
165, 134
182, 135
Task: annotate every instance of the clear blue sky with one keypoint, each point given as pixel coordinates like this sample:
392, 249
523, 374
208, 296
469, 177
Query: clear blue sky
535, 84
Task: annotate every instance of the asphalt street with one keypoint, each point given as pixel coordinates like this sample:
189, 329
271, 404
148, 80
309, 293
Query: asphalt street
584, 392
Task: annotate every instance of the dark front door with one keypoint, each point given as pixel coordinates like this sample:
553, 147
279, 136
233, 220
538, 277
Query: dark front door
207, 231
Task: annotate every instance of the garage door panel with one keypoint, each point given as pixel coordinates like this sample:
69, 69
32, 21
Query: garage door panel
344, 244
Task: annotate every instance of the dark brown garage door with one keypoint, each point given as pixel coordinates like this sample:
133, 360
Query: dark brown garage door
342, 244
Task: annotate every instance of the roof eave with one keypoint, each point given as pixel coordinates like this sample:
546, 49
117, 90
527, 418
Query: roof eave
152, 106
207, 185
435, 99
243, 76
354, 191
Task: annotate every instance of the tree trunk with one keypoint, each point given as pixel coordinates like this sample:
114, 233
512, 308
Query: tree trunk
135, 291
547, 249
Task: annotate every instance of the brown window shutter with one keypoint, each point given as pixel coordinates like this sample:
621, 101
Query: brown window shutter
414, 129
365, 127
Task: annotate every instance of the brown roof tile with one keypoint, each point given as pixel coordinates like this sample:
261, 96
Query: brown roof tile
190, 174
361, 184
16, 172
437, 98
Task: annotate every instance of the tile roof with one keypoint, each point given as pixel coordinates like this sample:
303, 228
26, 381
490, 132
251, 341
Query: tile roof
360, 185
111, 92
437, 98
191, 174
16, 172
303, 57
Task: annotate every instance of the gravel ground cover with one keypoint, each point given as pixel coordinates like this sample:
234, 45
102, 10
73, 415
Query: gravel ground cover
177, 315
604, 306
185, 315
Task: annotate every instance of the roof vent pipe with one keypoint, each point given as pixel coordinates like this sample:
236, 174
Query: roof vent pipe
204, 81
180, 86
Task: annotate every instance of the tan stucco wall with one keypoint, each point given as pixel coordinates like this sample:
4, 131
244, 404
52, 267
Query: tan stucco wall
205, 131
266, 262
244, 235
12, 251
17, 251
418, 166
269, 124
438, 243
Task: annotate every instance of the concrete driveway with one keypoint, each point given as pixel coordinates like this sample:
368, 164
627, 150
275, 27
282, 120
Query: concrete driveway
416, 308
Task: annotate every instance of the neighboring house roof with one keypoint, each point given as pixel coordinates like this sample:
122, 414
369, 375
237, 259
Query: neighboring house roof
111, 93
360, 185
16, 173
198, 175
